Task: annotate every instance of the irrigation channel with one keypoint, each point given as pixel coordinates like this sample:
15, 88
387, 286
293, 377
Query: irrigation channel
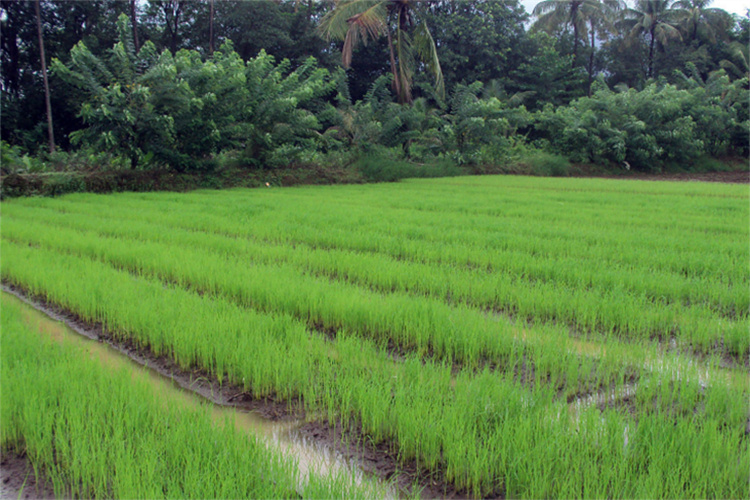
285, 435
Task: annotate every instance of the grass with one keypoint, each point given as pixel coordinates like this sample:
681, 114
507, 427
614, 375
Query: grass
456, 320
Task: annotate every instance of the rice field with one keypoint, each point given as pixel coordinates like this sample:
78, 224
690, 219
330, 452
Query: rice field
117, 434
517, 337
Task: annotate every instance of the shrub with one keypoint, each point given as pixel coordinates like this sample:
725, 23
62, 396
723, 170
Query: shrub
656, 128
387, 167
547, 165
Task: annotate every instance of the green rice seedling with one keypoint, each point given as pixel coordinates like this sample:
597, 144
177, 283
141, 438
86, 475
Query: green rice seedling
504, 305
94, 432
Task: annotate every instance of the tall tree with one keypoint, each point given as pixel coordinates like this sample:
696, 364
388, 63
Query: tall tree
48, 103
358, 21
553, 14
600, 15
701, 21
655, 19
134, 22
477, 40
173, 23
211, 28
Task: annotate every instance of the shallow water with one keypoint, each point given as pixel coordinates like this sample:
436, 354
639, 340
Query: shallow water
282, 435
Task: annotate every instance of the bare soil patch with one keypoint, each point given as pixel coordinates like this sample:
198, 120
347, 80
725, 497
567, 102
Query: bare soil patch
17, 479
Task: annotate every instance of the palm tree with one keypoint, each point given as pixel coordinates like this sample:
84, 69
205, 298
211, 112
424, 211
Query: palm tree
656, 19
600, 15
739, 64
699, 19
358, 21
50, 131
555, 13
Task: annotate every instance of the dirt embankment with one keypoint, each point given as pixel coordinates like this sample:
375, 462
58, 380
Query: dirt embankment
734, 177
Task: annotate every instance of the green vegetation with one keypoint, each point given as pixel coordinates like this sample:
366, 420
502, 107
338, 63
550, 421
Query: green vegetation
461, 321
97, 433
427, 89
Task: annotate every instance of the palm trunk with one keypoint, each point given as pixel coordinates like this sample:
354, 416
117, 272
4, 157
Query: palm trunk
575, 44
135, 25
651, 54
591, 57
50, 130
211, 29
394, 70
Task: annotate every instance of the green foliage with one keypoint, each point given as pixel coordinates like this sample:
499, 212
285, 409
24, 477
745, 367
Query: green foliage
385, 166
658, 127
483, 128
547, 73
494, 28
278, 109
547, 165
179, 110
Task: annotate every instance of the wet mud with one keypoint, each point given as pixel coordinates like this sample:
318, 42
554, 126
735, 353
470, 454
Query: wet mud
18, 481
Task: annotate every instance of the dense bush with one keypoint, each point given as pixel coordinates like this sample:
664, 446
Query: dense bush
657, 127
180, 110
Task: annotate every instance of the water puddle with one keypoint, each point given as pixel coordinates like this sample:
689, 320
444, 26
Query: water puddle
283, 435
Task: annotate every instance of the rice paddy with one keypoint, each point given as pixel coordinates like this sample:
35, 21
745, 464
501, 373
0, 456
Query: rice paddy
517, 337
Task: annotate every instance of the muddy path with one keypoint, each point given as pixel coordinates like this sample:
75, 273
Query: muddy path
348, 445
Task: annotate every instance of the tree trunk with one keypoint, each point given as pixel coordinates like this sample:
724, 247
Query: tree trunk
10, 70
50, 131
651, 54
394, 70
591, 57
575, 44
211, 29
574, 20
135, 25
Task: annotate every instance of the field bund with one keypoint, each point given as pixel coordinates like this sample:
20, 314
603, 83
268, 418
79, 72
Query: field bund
496, 336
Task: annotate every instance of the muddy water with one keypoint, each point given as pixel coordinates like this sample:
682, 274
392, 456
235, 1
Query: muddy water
283, 435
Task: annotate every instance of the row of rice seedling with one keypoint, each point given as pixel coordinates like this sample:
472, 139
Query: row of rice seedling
424, 326
221, 264
482, 430
532, 257
97, 433
525, 267
473, 242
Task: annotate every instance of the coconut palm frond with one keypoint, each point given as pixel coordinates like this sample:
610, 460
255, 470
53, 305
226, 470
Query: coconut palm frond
425, 47
364, 26
336, 23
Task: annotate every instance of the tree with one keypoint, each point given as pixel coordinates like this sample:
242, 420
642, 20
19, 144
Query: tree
477, 40
547, 73
359, 21
655, 19
172, 22
601, 17
553, 14
211, 29
738, 65
134, 21
50, 131
701, 22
